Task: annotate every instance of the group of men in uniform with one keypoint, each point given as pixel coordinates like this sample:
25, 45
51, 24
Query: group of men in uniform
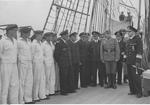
100, 54
28, 65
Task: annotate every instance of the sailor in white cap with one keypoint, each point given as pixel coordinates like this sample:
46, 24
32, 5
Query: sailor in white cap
25, 66
39, 81
48, 50
8, 69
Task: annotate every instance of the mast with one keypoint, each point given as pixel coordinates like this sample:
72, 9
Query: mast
110, 14
139, 15
48, 15
92, 15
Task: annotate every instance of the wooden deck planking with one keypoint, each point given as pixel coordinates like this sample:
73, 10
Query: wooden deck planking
98, 95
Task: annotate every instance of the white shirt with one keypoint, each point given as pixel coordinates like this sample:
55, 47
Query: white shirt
64, 40
8, 50
132, 36
37, 51
96, 41
24, 50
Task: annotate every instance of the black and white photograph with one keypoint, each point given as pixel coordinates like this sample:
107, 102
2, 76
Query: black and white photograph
74, 52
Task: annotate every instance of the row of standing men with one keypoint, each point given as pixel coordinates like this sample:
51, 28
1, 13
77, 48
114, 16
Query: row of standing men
104, 55
28, 69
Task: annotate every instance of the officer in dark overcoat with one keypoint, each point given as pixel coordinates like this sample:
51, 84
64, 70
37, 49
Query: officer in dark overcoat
62, 55
75, 56
122, 52
134, 50
84, 59
95, 60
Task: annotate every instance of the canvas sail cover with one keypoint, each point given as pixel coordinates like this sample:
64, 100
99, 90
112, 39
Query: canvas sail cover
117, 25
146, 37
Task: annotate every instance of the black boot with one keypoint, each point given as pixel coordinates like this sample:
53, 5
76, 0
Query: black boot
114, 86
125, 78
109, 81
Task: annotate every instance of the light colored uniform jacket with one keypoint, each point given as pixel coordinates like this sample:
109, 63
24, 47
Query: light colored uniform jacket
39, 81
48, 50
25, 71
9, 81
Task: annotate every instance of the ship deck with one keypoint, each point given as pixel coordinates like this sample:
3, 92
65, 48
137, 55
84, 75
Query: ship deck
98, 95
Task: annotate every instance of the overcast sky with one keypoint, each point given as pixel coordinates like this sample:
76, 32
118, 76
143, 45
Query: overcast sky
28, 12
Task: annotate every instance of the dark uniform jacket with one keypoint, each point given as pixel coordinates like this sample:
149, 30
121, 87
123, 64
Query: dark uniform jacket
62, 53
134, 50
94, 49
75, 55
84, 51
122, 49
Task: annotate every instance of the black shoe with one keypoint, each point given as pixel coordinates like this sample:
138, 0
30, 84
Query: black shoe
36, 100
139, 95
93, 85
107, 86
73, 91
145, 95
125, 81
45, 98
131, 93
63, 93
29, 102
48, 96
119, 83
84, 86
102, 85
52, 94
114, 86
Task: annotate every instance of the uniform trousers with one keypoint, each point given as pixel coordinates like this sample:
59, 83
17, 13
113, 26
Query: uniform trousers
102, 74
50, 77
57, 81
39, 80
9, 83
71, 86
64, 74
110, 67
84, 74
119, 71
134, 80
76, 69
95, 67
26, 81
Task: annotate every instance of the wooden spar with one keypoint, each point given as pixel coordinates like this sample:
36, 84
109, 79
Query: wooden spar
62, 17
81, 15
74, 16
67, 15
48, 15
71, 10
70, 15
127, 5
57, 17
85, 28
139, 15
